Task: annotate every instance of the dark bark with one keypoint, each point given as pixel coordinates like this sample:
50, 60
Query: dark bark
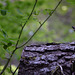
48, 59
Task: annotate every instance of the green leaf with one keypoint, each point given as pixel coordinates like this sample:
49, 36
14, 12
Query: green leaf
36, 12
3, 32
2, 52
5, 46
3, 12
47, 11
9, 44
6, 43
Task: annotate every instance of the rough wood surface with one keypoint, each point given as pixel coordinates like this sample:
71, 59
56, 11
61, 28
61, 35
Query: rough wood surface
48, 59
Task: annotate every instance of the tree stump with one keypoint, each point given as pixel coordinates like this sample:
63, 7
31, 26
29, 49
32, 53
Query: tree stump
48, 59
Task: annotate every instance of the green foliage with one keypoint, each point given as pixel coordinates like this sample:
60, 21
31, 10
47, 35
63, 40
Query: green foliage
14, 14
36, 12
47, 11
71, 1
7, 72
3, 12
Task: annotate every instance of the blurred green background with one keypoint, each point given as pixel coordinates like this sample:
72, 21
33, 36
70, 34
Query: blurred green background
14, 13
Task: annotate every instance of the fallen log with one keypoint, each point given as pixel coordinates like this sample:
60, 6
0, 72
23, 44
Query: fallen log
48, 59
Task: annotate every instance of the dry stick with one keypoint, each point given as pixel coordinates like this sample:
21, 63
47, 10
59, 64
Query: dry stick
18, 39
38, 29
40, 25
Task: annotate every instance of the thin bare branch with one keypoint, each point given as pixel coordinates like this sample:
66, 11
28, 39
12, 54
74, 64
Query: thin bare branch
16, 69
40, 25
18, 39
11, 69
38, 29
30, 37
26, 23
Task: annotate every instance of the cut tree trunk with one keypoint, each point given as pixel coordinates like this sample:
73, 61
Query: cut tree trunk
48, 59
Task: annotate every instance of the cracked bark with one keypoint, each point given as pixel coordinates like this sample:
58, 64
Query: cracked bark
48, 59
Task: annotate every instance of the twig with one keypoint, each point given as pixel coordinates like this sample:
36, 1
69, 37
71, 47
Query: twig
30, 37
16, 69
40, 25
26, 23
38, 29
7, 62
13, 72
18, 39
11, 69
